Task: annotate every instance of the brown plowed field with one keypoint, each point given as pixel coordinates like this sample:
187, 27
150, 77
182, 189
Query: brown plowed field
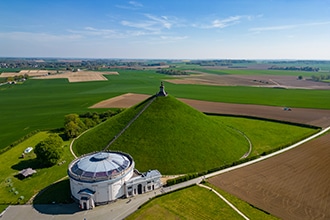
292, 185
316, 117
248, 80
123, 101
80, 76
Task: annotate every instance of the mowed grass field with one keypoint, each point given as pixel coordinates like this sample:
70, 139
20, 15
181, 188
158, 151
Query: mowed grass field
266, 135
42, 104
12, 188
194, 203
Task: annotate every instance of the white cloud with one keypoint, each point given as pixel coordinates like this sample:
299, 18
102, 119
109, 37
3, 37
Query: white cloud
226, 22
38, 37
152, 23
163, 20
173, 38
274, 28
90, 31
132, 5
135, 4
288, 27
222, 23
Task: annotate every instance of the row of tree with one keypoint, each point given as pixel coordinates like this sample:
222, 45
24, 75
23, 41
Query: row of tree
17, 78
320, 78
75, 124
15, 64
219, 62
294, 68
172, 72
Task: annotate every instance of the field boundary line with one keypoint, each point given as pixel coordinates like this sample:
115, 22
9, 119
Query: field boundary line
225, 200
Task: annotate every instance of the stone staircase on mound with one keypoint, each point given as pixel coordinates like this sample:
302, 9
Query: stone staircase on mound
129, 123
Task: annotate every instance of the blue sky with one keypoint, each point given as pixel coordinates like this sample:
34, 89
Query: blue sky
166, 29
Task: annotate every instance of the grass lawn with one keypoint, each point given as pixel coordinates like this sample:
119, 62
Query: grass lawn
14, 190
266, 135
3, 207
191, 203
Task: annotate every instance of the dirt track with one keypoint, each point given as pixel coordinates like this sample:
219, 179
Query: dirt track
292, 185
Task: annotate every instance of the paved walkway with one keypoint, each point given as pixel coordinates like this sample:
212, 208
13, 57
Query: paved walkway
114, 211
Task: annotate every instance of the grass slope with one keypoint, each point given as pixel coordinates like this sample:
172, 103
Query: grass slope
174, 138
266, 135
98, 137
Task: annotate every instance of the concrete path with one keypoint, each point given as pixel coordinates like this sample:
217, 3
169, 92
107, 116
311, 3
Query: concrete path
115, 211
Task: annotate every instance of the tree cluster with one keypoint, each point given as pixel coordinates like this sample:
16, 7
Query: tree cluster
172, 72
50, 150
17, 78
220, 62
15, 64
294, 68
320, 78
75, 124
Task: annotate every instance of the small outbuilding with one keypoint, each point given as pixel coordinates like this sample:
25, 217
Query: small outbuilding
27, 172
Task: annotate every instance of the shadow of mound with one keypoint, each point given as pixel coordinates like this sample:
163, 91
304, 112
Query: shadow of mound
56, 199
57, 209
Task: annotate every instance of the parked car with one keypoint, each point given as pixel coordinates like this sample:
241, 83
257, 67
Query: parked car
28, 150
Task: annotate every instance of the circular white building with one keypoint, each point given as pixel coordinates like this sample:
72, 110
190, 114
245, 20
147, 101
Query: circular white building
99, 177
102, 177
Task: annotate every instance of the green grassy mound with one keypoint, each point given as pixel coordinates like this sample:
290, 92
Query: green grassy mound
169, 136
99, 137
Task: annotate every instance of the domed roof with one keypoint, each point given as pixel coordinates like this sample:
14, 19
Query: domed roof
101, 165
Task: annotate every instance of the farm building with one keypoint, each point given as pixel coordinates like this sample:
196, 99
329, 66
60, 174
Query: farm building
102, 177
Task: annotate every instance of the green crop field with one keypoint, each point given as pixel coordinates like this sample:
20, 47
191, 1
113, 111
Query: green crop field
42, 104
299, 98
193, 203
